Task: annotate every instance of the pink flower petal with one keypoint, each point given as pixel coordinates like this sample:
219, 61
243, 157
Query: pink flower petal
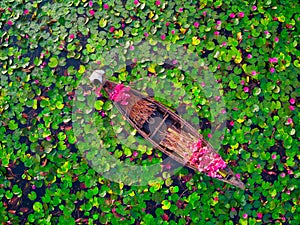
289, 120
253, 72
292, 101
232, 15
259, 215
48, 138
106, 6
111, 29
292, 108
92, 12
241, 14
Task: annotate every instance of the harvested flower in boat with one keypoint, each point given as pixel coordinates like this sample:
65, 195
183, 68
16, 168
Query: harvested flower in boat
207, 161
120, 94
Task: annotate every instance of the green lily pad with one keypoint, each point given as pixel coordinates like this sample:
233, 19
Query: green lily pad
210, 45
38, 207
53, 62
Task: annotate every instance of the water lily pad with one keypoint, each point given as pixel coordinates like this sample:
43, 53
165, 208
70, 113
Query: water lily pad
210, 45
53, 62
38, 207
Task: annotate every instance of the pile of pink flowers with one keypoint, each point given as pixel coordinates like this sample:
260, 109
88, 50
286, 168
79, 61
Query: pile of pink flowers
206, 160
120, 94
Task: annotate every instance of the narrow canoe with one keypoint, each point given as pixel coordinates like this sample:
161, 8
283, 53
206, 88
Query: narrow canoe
168, 132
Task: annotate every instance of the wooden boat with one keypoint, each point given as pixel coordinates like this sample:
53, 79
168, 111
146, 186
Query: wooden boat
166, 131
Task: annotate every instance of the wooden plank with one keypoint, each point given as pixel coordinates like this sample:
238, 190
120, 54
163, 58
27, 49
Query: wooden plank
159, 125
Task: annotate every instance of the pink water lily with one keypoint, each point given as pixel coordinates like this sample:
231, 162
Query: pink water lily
106, 6
92, 12
292, 108
289, 121
273, 60
241, 14
111, 29
232, 15
292, 101
272, 70
259, 215
196, 24
48, 138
